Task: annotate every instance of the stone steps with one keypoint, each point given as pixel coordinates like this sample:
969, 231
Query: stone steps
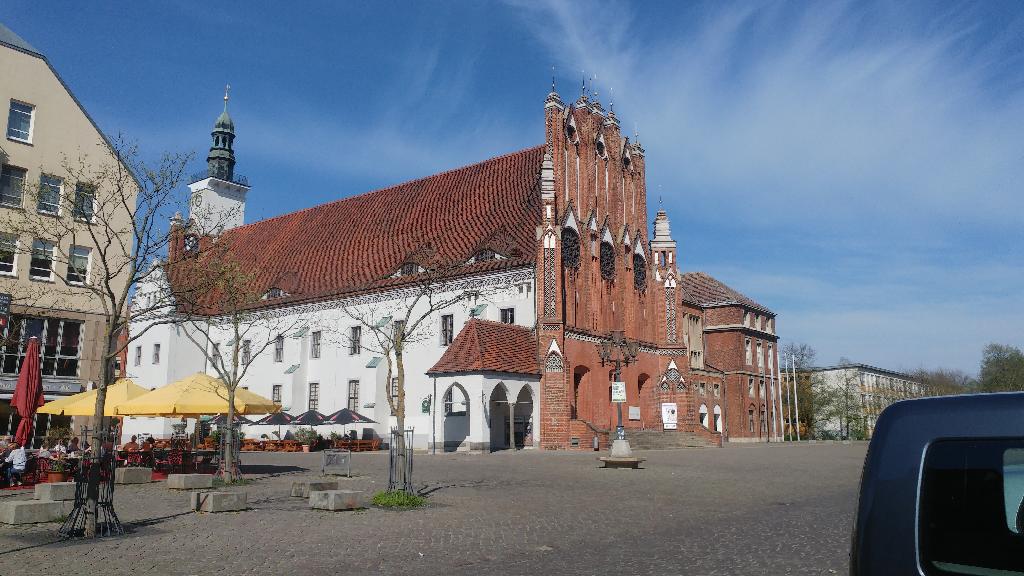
666, 440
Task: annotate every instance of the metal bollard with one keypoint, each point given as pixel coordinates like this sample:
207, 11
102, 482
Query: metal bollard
596, 443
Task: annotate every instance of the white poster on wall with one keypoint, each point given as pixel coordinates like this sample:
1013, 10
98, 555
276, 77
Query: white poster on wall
634, 412
668, 415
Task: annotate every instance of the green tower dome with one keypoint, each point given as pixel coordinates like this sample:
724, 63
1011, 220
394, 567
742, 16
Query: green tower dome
221, 160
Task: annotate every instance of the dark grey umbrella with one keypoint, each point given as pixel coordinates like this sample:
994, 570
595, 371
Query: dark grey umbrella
221, 419
276, 419
346, 416
310, 418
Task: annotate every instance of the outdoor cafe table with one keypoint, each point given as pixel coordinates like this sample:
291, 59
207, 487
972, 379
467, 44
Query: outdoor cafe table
188, 457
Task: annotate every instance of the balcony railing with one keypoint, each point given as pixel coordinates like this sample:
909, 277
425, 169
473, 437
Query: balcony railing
236, 179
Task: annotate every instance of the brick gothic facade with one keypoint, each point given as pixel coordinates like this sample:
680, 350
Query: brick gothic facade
597, 273
568, 218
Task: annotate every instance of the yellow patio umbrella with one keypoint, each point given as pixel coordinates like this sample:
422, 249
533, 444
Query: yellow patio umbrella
84, 403
196, 395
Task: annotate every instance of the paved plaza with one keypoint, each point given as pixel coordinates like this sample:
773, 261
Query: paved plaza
779, 509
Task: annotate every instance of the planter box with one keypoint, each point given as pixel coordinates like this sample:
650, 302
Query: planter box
133, 475
189, 481
302, 488
55, 492
30, 511
335, 500
218, 501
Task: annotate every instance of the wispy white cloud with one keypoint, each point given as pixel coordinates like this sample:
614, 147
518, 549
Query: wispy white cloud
868, 150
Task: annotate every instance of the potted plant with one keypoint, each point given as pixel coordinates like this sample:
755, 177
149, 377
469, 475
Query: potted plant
58, 471
308, 437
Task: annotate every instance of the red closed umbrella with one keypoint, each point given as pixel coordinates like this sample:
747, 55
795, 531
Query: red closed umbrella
28, 394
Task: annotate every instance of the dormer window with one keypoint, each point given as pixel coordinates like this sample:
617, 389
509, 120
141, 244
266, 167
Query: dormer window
486, 254
408, 269
274, 293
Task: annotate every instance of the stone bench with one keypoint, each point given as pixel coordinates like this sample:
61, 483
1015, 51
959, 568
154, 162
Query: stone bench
337, 500
218, 501
133, 475
31, 511
189, 481
303, 488
622, 462
55, 491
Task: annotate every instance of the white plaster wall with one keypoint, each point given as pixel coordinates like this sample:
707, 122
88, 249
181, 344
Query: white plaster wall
335, 366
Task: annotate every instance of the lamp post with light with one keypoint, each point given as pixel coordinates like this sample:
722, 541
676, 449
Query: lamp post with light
619, 351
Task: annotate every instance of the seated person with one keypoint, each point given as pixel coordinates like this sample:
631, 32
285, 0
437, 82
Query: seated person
132, 446
73, 446
14, 464
59, 448
147, 446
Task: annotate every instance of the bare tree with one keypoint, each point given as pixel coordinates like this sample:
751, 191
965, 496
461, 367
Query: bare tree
97, 236
222, 314
944, 381
400, 324
803, 356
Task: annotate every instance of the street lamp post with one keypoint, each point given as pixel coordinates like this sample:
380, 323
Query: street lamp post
619, 351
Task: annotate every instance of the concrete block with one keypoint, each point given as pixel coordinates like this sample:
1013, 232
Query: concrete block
189, 481
218, 501
302, 488
30, 511
133, 475
66, 506
55, 491
337, 499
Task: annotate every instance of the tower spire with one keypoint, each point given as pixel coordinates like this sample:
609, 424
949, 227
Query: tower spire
221, 160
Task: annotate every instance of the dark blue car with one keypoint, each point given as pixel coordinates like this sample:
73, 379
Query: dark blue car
942, 489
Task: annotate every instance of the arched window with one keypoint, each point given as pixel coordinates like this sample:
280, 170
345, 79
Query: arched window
456, 401
570, 248
703, 415
639, 272
600, 147
718, 418
570, 131
607, 261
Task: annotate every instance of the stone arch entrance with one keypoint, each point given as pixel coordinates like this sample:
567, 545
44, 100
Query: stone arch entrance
498, 407
456, 417
523, 428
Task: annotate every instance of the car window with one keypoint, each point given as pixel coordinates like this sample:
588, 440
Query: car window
970, 500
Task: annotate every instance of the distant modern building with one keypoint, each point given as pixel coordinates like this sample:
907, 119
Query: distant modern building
46, 124
872, 389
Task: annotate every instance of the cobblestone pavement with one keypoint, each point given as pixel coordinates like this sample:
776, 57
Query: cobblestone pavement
779, 509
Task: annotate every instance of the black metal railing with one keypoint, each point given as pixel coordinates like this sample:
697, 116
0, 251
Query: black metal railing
236, 179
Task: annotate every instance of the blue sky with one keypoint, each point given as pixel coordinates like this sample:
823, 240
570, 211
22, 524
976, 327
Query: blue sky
856, 167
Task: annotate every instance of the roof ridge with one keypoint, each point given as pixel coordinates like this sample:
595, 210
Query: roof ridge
390, 187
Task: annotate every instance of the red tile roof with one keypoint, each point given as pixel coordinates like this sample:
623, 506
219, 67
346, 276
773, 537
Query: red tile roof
702, 289
485, 346
358, 243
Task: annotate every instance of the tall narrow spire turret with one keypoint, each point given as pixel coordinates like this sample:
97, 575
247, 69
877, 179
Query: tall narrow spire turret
221, 161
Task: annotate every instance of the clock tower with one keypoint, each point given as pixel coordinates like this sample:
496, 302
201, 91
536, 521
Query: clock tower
217, 200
